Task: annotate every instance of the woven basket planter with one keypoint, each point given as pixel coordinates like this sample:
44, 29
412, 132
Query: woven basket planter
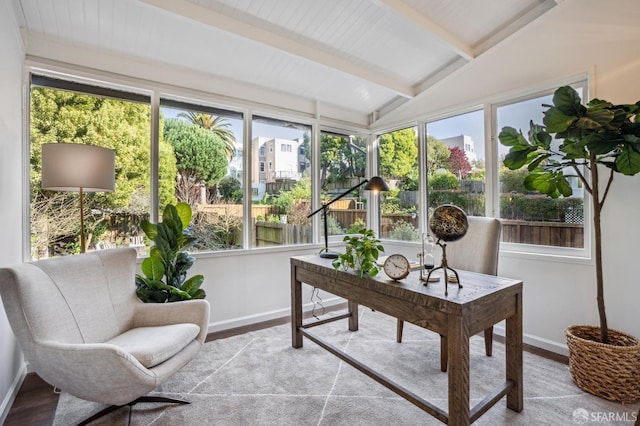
610, 371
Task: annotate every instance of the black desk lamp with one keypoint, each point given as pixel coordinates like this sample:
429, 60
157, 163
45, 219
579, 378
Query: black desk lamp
376, 183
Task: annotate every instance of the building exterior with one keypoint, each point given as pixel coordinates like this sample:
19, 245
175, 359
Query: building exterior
465, 143
281, 163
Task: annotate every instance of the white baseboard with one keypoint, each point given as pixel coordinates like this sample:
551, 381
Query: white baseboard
12, 393
266, 316
537, 341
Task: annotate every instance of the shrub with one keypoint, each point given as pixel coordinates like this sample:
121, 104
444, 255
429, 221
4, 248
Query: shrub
404, 231
356, 227
443, 181
230, 189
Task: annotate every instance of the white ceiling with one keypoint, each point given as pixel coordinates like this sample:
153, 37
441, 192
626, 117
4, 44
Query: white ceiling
366, 56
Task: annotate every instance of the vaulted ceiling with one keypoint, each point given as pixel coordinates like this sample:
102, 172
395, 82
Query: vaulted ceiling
367, 56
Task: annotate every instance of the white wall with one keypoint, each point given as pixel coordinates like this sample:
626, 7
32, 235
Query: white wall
11, 59
576, 37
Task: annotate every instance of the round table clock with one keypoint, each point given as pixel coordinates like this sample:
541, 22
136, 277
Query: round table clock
396, 266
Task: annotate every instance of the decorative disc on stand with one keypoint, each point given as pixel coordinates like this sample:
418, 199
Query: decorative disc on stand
448, 223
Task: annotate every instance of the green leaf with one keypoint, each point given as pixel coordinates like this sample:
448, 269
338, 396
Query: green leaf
543, 183
172, 220
563, 186
518, 157
556, 121
184, 213
628, 162
199, 294
193, 284
536, 162
511, 137
149, 229
539, 136
153, 267
567, 101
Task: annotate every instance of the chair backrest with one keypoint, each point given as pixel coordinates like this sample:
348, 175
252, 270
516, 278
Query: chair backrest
478, 250
87, 298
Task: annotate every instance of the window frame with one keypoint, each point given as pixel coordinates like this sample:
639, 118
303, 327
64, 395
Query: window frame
518, 249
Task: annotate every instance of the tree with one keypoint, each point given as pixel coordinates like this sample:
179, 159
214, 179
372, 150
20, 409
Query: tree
341, 157
457, 162
437, 155
230, 189
598, 137
64, 116
200, 158
398, 153
218, 125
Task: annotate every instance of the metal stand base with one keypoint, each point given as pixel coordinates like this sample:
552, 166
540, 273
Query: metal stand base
445, 267
329, 254
112, 408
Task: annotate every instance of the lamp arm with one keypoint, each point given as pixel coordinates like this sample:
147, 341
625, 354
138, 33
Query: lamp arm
324, 206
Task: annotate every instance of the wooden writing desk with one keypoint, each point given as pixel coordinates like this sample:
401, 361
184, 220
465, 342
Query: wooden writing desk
483, 301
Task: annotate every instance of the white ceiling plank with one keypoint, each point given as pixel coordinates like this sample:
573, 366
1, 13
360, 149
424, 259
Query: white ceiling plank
427, 24
516, 25
212, 18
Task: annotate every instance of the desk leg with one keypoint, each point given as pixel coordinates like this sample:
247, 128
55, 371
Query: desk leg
296, 310
353, 319
458, 367
514, 357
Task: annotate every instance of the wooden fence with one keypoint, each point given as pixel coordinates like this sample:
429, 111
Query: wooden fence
558, 234
274, 234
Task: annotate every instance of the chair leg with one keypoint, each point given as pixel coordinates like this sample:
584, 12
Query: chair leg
444, 355
113, 408
488, 340
399, 329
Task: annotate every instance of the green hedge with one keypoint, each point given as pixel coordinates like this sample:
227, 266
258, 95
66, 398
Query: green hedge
534, 208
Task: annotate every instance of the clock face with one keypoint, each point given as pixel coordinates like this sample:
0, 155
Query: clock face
396, 266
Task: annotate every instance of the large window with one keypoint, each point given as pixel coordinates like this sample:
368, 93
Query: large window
201, 161
398, 166
62, 111
342, 166
529, 217
282, 192
455, 162
205, 144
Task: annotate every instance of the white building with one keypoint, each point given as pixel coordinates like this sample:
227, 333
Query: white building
465, 143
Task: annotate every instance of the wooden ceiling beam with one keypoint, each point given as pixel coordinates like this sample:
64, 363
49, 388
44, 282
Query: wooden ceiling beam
214, 19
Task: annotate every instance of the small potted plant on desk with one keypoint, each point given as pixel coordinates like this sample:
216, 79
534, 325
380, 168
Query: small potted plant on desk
599, 137
361, 253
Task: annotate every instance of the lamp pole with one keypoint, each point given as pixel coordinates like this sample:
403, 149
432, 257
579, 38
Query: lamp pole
374, 184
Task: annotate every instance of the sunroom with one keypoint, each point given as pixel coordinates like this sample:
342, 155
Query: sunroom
301, 102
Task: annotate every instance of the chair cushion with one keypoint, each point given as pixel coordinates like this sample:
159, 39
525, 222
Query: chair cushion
153, 345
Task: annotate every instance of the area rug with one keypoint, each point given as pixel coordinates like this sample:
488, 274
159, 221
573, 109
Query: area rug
258, 379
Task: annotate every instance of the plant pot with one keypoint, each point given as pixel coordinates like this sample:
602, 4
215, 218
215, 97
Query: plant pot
610, 371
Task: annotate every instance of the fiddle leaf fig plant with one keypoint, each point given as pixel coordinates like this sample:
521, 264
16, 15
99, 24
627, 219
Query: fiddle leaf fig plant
165, 270
595, 137
361, 253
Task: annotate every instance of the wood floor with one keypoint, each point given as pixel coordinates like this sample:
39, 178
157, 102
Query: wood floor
36, 402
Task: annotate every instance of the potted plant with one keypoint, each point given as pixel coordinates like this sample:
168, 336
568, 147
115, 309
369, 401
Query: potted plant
165, 270
597, 138
361, 253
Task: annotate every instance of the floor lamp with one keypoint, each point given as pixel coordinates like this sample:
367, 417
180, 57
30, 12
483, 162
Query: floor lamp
78, 168
376, 184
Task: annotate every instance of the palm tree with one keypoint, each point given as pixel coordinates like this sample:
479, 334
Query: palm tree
218, 125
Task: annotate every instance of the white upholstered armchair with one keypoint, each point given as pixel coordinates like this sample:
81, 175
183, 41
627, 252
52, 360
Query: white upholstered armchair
83, 330
476, 252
